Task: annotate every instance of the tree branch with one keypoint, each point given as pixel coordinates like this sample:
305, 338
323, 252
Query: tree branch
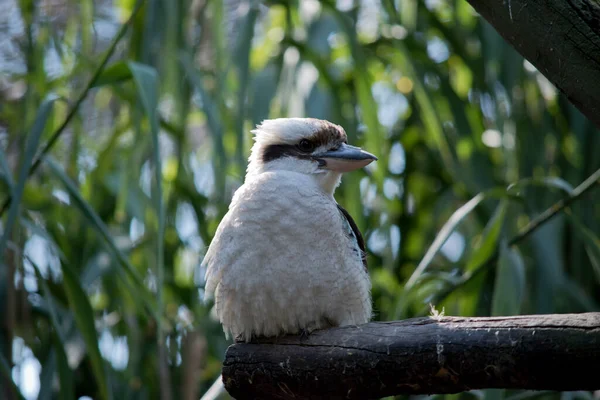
420, 356
561, 38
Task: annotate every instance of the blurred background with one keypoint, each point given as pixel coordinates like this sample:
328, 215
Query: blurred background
142, 112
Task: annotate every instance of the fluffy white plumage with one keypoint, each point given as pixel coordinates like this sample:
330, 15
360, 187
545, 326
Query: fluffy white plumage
285, 258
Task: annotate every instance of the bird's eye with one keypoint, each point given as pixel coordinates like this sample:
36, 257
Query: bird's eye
306, 146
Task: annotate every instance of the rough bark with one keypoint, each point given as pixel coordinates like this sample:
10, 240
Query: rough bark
420, 356
561, 38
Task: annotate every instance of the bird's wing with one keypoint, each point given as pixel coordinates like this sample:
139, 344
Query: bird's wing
356, 234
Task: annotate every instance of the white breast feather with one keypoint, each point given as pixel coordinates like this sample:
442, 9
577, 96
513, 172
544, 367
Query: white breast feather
282, 260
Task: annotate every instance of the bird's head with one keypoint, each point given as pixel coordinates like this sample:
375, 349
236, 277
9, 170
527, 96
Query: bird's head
309, 146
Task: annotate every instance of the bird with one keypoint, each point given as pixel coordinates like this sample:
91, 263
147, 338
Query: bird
287, 258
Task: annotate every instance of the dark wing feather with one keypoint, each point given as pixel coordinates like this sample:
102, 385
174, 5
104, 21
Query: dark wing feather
358, 236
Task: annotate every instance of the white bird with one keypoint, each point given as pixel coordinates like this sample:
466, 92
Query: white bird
286, 258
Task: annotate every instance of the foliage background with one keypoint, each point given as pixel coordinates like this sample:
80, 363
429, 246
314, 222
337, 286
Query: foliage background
134, 118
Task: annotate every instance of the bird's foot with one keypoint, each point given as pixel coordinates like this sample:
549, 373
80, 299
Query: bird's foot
305, 333
243, 339
239, 338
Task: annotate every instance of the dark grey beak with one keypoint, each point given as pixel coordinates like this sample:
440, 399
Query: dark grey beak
345, 158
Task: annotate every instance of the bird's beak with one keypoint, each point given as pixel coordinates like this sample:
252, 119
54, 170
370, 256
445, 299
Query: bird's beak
345, 158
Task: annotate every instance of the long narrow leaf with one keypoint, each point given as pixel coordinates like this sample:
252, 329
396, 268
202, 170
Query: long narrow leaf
6, 372
31, 146
74, 109
5, 172
146, 81
456, 218
212, 113
213, 119
587, 185
243, 62
65, 375
488, 243
362, 83
550, 182
84, 318
461, 213
509, 285
99, 226
116, 73
47, 375
431, 119
590, 240
49, 301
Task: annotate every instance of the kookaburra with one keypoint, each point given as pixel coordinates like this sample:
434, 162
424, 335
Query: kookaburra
286, 258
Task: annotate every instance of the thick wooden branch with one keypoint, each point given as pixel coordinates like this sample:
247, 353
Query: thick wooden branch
560, 37
424, 355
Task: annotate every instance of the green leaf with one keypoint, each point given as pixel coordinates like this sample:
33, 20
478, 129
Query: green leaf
5, 173
49, 301
263, 90
146, 80
455, 219
494, 394
213, 118
489, 239
102, 230
84, 318
31, 146
511, 193
362, 83
56, 362
65, 374
211, 110
548, 273
430, 117
6, 371
114, 74
47, 375
590, 240
573, 295
550, 182
243, 66
77, 103
529, 395
509, 286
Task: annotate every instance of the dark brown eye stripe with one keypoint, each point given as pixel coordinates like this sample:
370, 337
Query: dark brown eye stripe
328, 134
277, 151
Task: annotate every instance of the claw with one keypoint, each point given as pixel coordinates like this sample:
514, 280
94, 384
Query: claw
304, 333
